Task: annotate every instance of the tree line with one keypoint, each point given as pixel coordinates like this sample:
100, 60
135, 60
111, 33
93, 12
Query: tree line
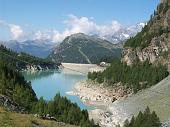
14, 58
63, 110
13, 85
138, 76
143, 38
144, 119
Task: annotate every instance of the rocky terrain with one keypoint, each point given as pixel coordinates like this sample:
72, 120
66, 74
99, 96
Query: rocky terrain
153, 43
96, 94
33, 67
156, 97
9, 105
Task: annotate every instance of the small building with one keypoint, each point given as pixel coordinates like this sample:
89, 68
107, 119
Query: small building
102, 64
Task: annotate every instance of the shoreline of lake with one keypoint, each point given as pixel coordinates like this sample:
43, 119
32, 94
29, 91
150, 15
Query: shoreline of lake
157, 97
110, 113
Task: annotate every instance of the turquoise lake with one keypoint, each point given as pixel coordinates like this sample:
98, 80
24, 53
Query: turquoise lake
48, 83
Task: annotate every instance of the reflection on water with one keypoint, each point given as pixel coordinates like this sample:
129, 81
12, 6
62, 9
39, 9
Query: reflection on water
32, 75
48, 83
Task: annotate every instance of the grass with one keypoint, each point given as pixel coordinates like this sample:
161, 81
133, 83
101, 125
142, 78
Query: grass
12, 119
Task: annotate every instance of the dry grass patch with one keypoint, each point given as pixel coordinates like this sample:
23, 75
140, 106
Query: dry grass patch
11, 119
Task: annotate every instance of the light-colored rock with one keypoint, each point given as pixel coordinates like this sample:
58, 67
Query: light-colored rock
96, 94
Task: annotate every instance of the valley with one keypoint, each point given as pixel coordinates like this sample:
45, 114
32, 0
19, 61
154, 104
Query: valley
117, 112
89, 71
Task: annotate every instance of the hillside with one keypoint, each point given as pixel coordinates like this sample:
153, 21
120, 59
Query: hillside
147, 54
81, 48
16, 94
12, 119
153, 42
23, 61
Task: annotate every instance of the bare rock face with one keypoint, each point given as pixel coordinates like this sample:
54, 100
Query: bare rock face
10, 105
129, 56
151, 53
159, 44
167, 19
163, 1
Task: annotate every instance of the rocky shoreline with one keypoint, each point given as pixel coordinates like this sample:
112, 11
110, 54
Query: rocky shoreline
92, 93
124, 107
34, 67
101, 96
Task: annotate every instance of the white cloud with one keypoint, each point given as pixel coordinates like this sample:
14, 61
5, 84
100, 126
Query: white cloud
40, 35
82, 24
16, 31
58, 37
85, 25
73, 25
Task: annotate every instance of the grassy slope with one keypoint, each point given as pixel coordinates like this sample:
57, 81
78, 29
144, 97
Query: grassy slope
81, 48
11, 119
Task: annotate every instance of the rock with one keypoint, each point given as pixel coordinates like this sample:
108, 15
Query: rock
114, 99
157, 45
10, 105
100, 95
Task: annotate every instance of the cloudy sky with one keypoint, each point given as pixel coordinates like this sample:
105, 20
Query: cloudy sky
56, 19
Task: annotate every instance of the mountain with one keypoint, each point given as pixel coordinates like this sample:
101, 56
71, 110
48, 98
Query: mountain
123, 33
153, 42
39, 48
148, 54
23, 61
42, 48
81, 48
17, 95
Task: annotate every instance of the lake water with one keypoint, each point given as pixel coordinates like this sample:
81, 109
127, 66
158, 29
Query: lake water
48, 83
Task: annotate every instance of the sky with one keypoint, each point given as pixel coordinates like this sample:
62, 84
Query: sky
55, 19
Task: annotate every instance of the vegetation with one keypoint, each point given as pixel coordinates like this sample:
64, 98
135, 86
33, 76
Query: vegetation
11, 119
19, 59
106, 59
63, 110
136, 77
165, 54
13, 85
143, 38
81, 48
145, 119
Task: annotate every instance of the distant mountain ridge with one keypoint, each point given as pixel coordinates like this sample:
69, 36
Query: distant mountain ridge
81, 48
123, 33
42, 48
39, 48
